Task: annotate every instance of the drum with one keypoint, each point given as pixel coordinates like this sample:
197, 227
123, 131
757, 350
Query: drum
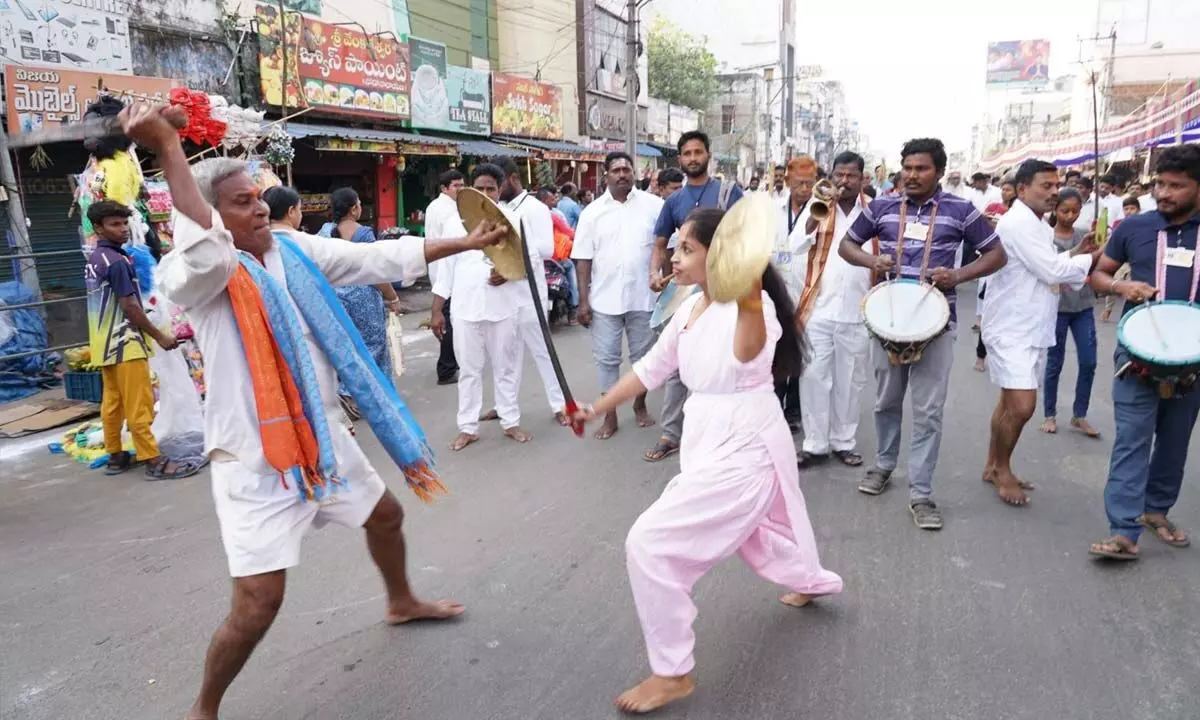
1164, 340
905, 316
669, 301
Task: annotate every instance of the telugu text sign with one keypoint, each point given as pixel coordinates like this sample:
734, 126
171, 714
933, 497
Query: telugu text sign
526, 108
37, 97
1018, 63
332, 67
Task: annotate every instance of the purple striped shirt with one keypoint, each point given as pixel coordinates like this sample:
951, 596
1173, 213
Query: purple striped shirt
958, 221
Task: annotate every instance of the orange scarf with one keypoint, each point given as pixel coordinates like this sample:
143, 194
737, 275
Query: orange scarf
287, 438
818, 255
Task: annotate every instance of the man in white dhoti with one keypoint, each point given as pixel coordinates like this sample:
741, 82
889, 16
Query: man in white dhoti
1020, 312
276, 470
484, 315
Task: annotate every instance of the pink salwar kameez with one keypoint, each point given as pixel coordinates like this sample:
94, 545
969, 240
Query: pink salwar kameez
737, 491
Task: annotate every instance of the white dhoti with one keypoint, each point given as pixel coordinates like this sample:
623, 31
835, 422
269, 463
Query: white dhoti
531, 334
474, 343
831, 385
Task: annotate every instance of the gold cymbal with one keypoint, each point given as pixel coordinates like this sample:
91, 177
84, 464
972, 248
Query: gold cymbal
741, 248
474, 207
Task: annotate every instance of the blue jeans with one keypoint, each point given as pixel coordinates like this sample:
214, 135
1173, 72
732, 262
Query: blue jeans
607, 332
568, 267
1149, 452
1083, 327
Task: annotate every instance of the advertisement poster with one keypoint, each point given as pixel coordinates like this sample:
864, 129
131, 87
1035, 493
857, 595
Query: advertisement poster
70, 36
1019, 63
40, 96
333, 67
526, 108
430, 103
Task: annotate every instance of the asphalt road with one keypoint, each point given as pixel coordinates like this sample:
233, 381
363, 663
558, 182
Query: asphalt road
111, 588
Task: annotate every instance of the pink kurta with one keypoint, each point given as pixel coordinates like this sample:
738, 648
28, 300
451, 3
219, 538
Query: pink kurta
738, 489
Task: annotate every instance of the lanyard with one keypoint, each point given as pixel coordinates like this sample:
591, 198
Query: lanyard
793, 220
696, 201
1160, 267
928, 239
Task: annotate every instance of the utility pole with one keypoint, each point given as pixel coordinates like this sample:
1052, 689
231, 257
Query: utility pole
632, 78
16, 221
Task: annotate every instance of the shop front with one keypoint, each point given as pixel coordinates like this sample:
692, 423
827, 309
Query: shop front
527, 114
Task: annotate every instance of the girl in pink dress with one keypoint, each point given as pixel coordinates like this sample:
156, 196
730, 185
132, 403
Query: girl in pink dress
738, 488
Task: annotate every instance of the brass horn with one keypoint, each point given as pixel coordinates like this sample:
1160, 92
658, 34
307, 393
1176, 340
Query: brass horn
825, 194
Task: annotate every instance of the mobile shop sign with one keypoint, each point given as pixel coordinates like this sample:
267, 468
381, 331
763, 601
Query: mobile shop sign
332, 67
38, 97
526, 108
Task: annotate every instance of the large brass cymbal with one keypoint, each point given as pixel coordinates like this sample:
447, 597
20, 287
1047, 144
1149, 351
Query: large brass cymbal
741, 248
474, 207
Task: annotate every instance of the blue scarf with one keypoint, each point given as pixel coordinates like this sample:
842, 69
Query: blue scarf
376, 396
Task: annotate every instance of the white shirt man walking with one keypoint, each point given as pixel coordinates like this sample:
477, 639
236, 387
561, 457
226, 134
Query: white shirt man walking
442, 216
613, 245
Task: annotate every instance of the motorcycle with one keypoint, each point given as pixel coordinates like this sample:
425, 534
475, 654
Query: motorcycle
559, 294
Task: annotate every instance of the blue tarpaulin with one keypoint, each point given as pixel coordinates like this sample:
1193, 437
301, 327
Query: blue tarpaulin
22, 331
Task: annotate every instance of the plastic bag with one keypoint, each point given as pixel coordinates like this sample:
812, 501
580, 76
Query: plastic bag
395, 337
179, 424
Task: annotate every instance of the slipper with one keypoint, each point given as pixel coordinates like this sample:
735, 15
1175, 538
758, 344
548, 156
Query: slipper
1122, 552
1155, 526
662, 450
119, 463
848, 457
808, 459
156, 470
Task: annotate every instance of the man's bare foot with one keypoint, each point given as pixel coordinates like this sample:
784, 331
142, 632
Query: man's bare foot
1085, 427
797, 600
561, 418
440, 610
197, 714
989, 476
655, 692
489, 416
516, 433
642, 416
1008, 487
608, 428
1050, 426
463, 440
980, 365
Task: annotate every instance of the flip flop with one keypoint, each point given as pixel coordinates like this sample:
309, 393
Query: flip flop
1122, 553
157, 470
663, 449
849, 457
1154, 526
122, 465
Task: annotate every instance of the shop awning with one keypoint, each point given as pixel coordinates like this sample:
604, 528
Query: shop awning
408, 143
487, 148
665, 150
556, 149
647, 150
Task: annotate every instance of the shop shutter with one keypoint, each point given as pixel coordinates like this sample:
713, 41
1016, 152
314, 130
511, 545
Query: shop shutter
52, 224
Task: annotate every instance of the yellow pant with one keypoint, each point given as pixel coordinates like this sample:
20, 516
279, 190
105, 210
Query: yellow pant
129, 398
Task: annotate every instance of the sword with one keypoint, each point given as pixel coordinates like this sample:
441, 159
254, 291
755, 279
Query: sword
68, 132
571, 405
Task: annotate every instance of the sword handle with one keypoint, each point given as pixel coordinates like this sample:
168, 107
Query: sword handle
576, 425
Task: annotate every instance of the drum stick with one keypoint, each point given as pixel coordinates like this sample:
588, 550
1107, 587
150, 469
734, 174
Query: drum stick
891, 308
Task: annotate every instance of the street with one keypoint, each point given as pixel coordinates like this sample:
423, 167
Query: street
112, 587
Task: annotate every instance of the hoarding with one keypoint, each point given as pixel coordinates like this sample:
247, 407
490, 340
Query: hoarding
450, 98
1018, 63
40, 96
526, 108
64, 35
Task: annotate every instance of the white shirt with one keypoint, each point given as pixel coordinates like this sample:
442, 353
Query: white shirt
961, 190
1021, 305
987, 197
843, 286
195, 275
618, 238
1116, 207
534, 221
1087, 215
464, 277
441, 220
1147, 203
784, 258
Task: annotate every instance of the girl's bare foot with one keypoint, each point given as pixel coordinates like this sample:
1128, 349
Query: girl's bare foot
608, 428
1050, 426
796, 599
516, 433
1083, 426
463, 440
655, 692
440, 610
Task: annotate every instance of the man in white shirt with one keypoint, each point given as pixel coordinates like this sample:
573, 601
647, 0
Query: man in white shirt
830, 311
1145, 199
1110, 200
537, 227
983, 192
221, 220
441, 216
955, 185
613, 243
793, 209
1087, 213
1020, 312
484, 317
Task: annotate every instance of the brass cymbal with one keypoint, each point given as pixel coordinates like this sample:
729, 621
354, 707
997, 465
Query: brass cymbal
474, 207
741, 248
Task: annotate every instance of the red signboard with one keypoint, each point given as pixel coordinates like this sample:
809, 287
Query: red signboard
526, 108
332, 66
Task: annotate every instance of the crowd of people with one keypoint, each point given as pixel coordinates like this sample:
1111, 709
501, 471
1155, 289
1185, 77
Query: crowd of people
275, 312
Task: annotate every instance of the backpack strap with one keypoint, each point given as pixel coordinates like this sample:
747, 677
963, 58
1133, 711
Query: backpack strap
724, 193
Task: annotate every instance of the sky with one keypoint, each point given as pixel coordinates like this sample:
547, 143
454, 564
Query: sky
915, 68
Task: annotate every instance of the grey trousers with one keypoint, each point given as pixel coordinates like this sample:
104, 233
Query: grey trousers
607, 332
929, 380
675, 395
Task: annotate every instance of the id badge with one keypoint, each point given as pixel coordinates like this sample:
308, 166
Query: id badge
916, 231
1180, 257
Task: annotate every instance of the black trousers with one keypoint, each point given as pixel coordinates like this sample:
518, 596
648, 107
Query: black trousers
788, 393
447, 365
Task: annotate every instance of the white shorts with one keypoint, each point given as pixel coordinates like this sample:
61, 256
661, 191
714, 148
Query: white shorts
1016, 367
263, 522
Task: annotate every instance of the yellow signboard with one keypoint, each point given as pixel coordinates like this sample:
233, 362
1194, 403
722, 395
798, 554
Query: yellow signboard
350, 145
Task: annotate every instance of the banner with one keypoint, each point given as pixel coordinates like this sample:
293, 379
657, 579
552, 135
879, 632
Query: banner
91, 36
37, 96
1024, 63
332, 67
526, 108
430, 104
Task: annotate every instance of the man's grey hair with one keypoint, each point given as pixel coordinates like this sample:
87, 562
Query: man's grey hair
212, 171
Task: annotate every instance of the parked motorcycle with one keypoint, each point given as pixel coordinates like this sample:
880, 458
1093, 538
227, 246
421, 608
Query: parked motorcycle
556, 285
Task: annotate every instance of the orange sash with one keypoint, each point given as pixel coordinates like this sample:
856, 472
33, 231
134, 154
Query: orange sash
818, 255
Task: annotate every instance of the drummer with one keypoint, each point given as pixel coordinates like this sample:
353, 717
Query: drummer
1143, 483
955, 221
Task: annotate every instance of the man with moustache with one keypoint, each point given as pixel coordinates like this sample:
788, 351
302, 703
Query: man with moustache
701, 190
802, 174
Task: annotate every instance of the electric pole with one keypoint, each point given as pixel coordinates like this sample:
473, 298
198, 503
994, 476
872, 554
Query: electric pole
632, 78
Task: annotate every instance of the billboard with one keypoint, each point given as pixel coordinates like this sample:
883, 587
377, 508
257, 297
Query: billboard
38, 97
332, 67
86, 36
1018, 63
526, 108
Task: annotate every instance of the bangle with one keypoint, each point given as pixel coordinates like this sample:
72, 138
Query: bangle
1113, 288
751, 304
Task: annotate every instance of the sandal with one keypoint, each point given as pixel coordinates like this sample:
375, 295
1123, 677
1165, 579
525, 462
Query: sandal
157, 469
807, 459
662, 450
119, 463
1117, 547
848, 457
1157, 526
350, 408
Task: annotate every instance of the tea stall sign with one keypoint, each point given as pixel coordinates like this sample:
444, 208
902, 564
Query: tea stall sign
526, 108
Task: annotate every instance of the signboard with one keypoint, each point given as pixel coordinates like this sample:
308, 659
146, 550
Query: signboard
606, 118
68, 35
526, 108
413, 148
1023, 63
333, 67
316, 204
39, 96
457, 100
350, 145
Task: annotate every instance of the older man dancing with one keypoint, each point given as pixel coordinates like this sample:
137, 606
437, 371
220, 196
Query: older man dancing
281, 461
